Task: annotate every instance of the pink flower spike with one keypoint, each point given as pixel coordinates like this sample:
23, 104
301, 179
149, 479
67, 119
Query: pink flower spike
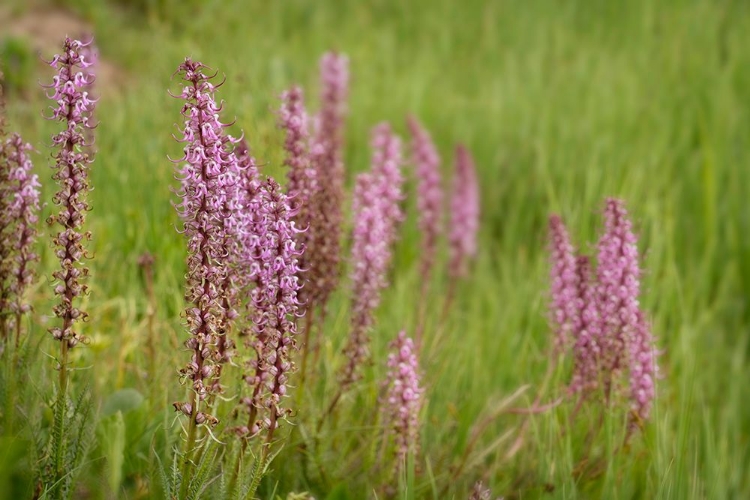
326, 152
303, 186
564, 306
271, 262
376, 216
73, 107
19, 214
587, 331
403, 397
464, 222
618, 275
426, 161
208, 175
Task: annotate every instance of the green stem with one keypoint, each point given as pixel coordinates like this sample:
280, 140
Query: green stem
189, 445
18, 328
3, 326
305, 353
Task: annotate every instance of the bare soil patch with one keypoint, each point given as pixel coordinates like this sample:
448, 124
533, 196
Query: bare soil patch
44, 30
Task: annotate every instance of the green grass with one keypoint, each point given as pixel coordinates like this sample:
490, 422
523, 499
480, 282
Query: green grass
562, 104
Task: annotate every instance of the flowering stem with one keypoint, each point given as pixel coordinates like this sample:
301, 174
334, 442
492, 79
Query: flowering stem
422, 311
189, 445
72, 106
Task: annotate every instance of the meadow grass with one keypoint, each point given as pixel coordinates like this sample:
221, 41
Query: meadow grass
562, 104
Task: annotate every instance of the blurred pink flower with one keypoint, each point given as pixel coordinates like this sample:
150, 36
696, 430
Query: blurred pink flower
464, 221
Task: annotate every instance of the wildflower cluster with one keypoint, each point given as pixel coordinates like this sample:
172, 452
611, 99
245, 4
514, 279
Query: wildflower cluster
610, 335
259, 257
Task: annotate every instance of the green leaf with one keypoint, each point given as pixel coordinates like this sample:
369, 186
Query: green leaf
123, 401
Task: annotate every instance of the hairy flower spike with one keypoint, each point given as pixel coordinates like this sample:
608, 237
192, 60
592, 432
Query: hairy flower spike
24, 210
587, 330
72, 106
327, 160
564, 304
19, 208
376, 213
404, 397
302, 185
618, 276
464, 222
208, 177
426, 161
271, 262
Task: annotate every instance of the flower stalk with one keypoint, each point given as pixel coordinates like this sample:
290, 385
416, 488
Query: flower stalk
464, 220
403, 399
302, 188
22, 216
207, 177
324, 248
426, 162
377, 213
73, 107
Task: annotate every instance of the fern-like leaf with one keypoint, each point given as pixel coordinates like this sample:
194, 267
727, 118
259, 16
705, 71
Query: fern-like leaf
199, 481
166, 481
